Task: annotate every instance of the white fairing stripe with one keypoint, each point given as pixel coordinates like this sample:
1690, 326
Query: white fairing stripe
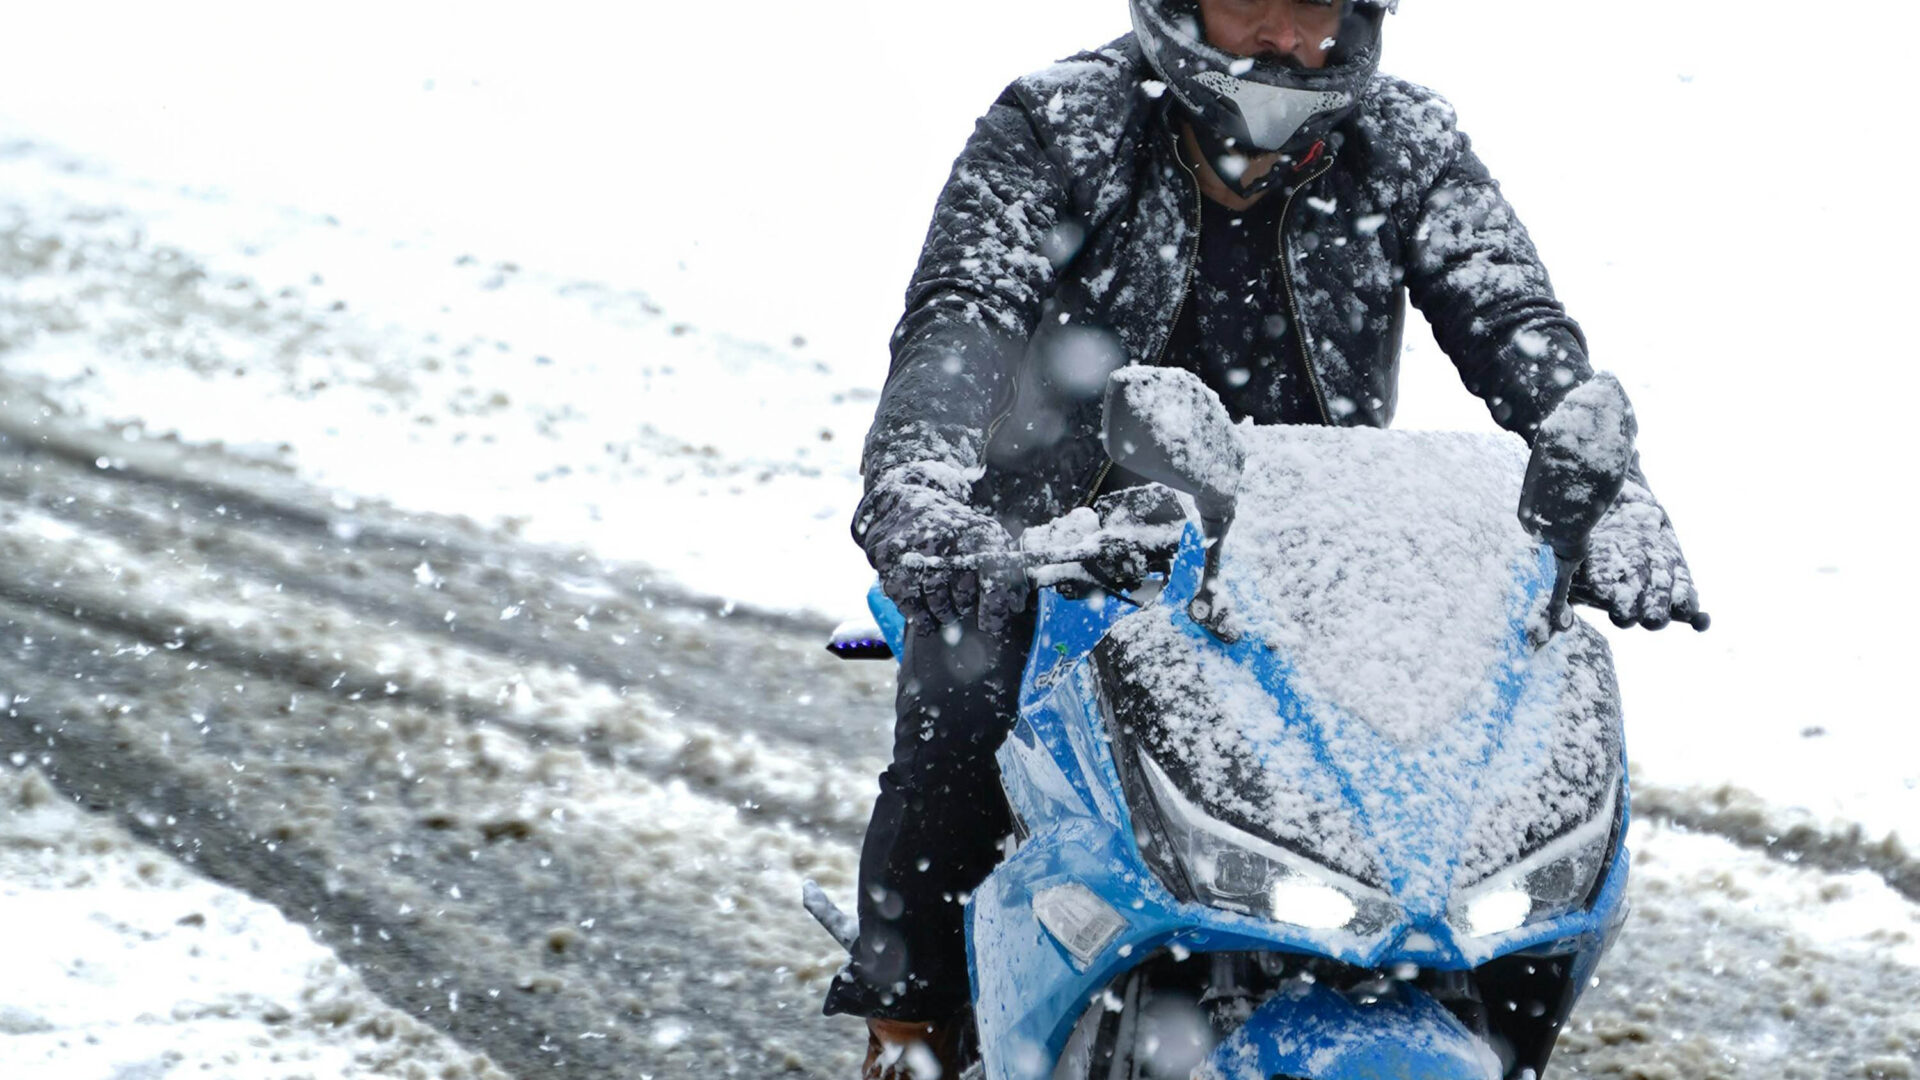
1273, 113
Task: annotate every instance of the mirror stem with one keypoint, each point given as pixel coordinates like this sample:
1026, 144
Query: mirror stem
1209, 605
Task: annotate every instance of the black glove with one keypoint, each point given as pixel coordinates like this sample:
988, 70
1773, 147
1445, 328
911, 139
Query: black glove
922, 511
1122, 567
1634, 570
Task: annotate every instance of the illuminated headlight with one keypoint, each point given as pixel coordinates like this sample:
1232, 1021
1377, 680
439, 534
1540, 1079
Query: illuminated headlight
1080, 921
1233, 869
1546, 885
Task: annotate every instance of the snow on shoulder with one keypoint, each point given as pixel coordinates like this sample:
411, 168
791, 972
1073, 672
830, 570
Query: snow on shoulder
1383, 565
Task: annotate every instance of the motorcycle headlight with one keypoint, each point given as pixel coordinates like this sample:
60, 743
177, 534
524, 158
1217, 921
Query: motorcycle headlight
1232, 869
1545, 885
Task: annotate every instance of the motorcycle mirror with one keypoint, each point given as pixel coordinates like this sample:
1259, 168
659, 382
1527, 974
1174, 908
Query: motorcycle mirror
1165, 424
1580, 459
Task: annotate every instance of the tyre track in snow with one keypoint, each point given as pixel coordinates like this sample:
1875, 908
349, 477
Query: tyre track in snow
524, 902
573, 866
98, 480
706, 708
246, 629
1743, 818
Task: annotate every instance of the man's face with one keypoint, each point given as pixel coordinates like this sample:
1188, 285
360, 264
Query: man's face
1294, 31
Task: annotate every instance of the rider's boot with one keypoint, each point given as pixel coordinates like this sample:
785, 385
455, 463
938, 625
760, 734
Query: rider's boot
913, 1050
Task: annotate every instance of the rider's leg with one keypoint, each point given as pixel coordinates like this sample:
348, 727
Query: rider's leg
937, 826
911, 1050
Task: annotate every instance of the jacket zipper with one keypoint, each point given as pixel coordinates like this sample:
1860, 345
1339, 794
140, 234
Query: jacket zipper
1186, 289
1293, 305
1013, 398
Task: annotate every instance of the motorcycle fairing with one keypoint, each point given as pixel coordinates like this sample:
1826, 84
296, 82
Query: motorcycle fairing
893, 625
1309, 1029
1029, 992
1065, 789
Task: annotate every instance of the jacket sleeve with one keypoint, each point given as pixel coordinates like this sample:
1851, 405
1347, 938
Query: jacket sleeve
974, 301
1473, 272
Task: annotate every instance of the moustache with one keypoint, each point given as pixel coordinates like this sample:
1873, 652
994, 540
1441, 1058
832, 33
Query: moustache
1281, 60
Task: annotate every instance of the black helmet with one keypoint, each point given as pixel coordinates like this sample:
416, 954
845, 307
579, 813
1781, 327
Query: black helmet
1260, 105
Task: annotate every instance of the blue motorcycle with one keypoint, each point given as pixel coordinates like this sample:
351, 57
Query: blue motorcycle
1331, 786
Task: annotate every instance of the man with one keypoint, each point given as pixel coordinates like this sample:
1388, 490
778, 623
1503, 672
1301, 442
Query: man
1234, 189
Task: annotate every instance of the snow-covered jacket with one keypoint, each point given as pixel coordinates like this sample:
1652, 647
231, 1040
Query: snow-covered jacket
1064, 245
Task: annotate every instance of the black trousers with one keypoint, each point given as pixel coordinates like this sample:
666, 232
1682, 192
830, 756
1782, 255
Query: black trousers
939, 824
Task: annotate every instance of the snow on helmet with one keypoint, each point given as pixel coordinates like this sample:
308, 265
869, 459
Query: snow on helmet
1259, 105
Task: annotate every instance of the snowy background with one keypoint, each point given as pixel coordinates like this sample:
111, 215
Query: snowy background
618, 280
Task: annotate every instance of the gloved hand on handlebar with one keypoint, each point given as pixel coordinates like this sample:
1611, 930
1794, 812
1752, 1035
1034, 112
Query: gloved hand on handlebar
1114, 545
1122, 566
914, 519
1634, 570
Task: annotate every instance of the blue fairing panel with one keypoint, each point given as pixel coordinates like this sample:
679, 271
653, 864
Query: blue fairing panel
893, 625
1309, 1030
1065, 633
1043, 770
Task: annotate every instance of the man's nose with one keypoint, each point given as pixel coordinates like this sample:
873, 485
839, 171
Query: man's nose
1279, 30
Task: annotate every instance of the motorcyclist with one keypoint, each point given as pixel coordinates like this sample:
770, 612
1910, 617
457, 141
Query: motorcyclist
1232, 188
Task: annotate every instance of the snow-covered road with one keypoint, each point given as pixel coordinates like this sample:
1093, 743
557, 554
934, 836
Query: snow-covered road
447, 754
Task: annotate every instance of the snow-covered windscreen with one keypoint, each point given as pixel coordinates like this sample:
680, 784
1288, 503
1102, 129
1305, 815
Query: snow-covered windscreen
1384, 713
1383, 565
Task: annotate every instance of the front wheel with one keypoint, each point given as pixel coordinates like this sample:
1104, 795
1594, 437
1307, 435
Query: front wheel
1163, 1019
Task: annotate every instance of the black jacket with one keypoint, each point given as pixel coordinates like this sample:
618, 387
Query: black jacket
1063, 244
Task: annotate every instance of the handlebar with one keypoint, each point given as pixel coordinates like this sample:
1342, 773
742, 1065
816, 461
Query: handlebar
1149, 542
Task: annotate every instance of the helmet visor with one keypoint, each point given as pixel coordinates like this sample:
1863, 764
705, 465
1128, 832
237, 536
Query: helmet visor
1263, 101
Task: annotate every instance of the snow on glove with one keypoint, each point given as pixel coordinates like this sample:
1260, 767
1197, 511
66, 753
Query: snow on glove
1634, 569
1124, 566
921, 510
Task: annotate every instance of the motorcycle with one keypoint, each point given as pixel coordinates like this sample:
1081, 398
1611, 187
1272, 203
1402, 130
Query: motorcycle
1325, 784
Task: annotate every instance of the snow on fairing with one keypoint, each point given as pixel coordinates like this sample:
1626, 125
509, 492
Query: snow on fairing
1387, 719
1382, 771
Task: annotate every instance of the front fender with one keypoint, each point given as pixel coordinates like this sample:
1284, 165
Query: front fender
1310, 1031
